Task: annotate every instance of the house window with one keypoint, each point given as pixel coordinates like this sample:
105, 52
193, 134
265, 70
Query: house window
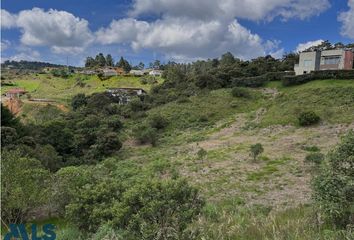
307, 63
330, 60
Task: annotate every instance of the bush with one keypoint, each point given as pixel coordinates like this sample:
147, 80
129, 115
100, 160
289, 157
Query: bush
158, 121
240, 92
24, 186
317, 75
256, 149
308, 118
137, 105
316, 158
145, 134
153, 209
334, 187
78, 101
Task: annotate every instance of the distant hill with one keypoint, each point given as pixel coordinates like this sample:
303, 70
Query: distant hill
31, 65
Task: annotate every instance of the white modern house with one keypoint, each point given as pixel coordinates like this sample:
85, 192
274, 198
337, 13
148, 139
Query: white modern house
136, 72
335, 59
155, 73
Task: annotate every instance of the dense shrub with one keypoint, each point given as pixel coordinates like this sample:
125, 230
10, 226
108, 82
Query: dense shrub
137, 105
147, 210
240, 92
145, 134
316, 157
78, 101
253, 82
24, 186
334, 186
308, 118
158, 121
317, 75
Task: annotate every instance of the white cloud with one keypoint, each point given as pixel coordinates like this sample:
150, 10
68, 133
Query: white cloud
247, 9
25, 53
5, 44
59, 30
120, 31
186, 29
347, 19
303, 46
8, 20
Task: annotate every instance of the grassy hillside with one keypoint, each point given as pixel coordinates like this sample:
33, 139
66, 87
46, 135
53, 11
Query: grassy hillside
269, 198
247, 198
62, 90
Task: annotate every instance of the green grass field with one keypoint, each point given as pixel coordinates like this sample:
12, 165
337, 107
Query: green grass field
62, 90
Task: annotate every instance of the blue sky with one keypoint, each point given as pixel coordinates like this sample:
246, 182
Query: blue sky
179, 30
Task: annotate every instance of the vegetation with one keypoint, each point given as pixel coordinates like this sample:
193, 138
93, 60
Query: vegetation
89, 163
308, 118
333, 187
315, 157
256, 150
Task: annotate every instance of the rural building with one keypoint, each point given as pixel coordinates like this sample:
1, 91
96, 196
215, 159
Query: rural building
120, 71
125, 94
155, 73
136, 72
108, 72
88, 72
15, 92
336, 59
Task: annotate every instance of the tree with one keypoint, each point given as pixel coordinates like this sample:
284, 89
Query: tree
78, 101
90, 62
24, 186
7, 118
57, 134
109, 60
122, 63
100, 60
256, 149
227, 59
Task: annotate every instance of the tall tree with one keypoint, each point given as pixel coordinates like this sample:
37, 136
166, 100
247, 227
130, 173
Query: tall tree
124, 64
109, 60
90, 62
100, 60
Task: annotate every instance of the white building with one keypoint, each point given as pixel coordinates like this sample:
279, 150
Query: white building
107, 72
155, 73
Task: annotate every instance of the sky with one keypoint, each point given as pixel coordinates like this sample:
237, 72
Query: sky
168, 30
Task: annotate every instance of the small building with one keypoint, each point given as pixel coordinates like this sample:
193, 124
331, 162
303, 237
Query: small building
120, 71
108, 72
88, 72
15, 93
336, 59
136, 72
125, 95
155, 73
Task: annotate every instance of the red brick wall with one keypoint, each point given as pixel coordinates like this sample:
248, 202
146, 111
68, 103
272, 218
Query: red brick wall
348, 60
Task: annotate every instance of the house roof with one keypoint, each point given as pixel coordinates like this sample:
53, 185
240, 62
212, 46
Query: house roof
16, 90
127, 88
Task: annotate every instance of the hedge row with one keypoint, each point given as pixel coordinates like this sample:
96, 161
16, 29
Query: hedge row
317, 75
259, 81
